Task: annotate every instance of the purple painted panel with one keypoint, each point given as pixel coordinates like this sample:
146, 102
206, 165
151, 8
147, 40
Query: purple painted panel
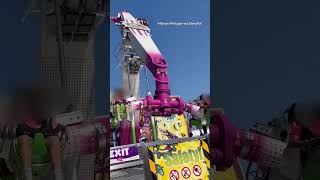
124, 154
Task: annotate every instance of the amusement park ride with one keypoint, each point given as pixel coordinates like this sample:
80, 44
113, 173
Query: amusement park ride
157, 118
269, 146
150, 135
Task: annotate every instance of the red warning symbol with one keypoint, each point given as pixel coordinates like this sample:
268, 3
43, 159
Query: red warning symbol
197, 170
186, 173
174, 175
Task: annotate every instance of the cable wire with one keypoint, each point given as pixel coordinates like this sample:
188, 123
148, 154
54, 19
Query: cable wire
128, 74
147, 80
60, 42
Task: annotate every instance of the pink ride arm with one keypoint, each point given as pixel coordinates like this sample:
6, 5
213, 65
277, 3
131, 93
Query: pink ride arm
140, 39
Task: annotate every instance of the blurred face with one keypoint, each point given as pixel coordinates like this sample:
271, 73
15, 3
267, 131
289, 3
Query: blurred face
206, 101
35, 109
31, 111
120, 94
35, 106
41, 100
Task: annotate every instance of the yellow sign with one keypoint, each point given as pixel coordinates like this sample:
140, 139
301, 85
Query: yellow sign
175, 126
185, 160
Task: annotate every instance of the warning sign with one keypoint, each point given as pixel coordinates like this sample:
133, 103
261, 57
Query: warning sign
184, 160
185, 172
197, 170
174, 175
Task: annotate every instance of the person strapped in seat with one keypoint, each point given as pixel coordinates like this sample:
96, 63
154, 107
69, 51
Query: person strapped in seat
37, 106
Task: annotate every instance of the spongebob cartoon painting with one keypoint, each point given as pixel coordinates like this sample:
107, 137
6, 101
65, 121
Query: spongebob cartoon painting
175, 126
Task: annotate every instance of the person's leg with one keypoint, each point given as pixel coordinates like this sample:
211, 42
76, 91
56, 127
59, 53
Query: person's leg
25, 153
54, 148
204, 127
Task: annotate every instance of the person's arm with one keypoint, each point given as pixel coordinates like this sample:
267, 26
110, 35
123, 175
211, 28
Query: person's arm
127, 111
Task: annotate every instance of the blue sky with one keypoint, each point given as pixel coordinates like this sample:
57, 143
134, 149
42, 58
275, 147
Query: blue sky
186, 48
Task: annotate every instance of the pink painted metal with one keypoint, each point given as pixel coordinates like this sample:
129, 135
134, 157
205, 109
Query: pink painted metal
139, 36
88, 137
227, 142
